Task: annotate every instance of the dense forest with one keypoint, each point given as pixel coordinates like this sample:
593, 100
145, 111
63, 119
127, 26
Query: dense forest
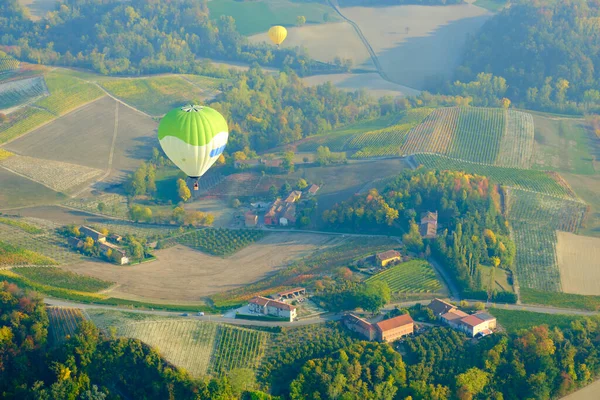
89, 365
472, 230
548, 52
138, 36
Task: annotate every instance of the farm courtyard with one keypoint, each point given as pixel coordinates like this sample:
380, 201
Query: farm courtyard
183, 274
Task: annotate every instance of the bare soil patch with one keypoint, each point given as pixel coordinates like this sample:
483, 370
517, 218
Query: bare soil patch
579, 263
17, 191
325, 42
58, 215
371, 82
432, 46
181, 273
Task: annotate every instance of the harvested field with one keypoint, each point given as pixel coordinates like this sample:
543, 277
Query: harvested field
578, 263
431, 48
56, 214
181, 273
20, 192
374, 84
56, 175
326, 42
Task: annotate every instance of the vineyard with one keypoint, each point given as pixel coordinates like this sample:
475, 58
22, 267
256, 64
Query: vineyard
220, 242
63, 323
56, 175
157, 95
47, 244
24, 226
534, 219
415, 276
67, 93
490, 136
13, 255
8, 63
17, 92
237, 348
23, 121
125, 228
537, 181
60, 278
115, 204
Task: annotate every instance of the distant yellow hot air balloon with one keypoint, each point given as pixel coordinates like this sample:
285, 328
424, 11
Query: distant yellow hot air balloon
277, 34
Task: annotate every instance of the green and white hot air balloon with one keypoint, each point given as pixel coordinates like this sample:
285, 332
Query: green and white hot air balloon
193, 137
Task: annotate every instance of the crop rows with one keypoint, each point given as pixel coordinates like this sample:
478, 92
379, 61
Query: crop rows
435, 134
46, 244
14, 93
534, 220
220, 242
67, 93
187, 344
537, 181
23, 121
516, 146
115, 205
58, 176
8, 64
478, 134
237, 348
63, 323
19, 223
124, 228
15, 255
60, 278
415, 276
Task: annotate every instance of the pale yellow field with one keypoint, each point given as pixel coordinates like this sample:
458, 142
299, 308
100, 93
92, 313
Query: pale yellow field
183, 274
579, 263
433, 45
371, 82
589, 392
326, 41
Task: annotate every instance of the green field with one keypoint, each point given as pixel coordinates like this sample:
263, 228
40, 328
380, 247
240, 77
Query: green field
23, 121
63, 323
67, 93
565, 145
415, 276
197, 346
220, 242
515, 320
24, 226
63, 279
537, 181
565, 300
157, 95
258, 16
534, 220
14, 255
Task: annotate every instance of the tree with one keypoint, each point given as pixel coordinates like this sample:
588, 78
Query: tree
101, 207
505, 103
286, 188
471, 383
178, 215
374, 296
300, 20
88, 244
183, 191
301, 184
3, 117
413, 240
305, 159
151, 179
273, 192
288, 162
241, 380
104, 231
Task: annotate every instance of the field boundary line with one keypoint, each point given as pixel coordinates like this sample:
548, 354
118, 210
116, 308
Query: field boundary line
31, 179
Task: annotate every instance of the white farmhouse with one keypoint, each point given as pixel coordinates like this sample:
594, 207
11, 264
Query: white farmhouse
272, 308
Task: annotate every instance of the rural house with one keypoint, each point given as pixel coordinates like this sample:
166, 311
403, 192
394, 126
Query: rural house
118, 254
75, 242
272, 307
272, 215
393, 329
312, 190
292, 293
89, 232
289, 215
115, 238
453, 317
294, 196
383, 259
440, 307
283, 212
428, 226
360, 326
251, 219
472, 325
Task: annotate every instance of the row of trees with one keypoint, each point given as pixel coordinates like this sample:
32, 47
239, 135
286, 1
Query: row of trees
475, 231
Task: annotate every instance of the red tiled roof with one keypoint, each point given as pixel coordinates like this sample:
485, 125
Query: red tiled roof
395, 322
359, 321
454, 315
263, 301
471, 321
313, 189
386, 255
428, 229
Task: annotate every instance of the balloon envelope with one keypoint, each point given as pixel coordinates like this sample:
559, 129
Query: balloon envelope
193, 137
277, 34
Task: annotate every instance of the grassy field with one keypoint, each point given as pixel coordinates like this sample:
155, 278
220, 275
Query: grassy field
490, 136
60, 278
23, 121
258, 16
157, 95
199, 347
578, 262
564, 145
67, 93
537, 181
63, 323
534, 219
514, 321
19, 192
566, 300
220, 242
24, 226
371, 82
415, 276
500, 281
13, 255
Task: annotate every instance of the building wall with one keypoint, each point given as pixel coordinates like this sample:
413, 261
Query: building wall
389, 260
395, 334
